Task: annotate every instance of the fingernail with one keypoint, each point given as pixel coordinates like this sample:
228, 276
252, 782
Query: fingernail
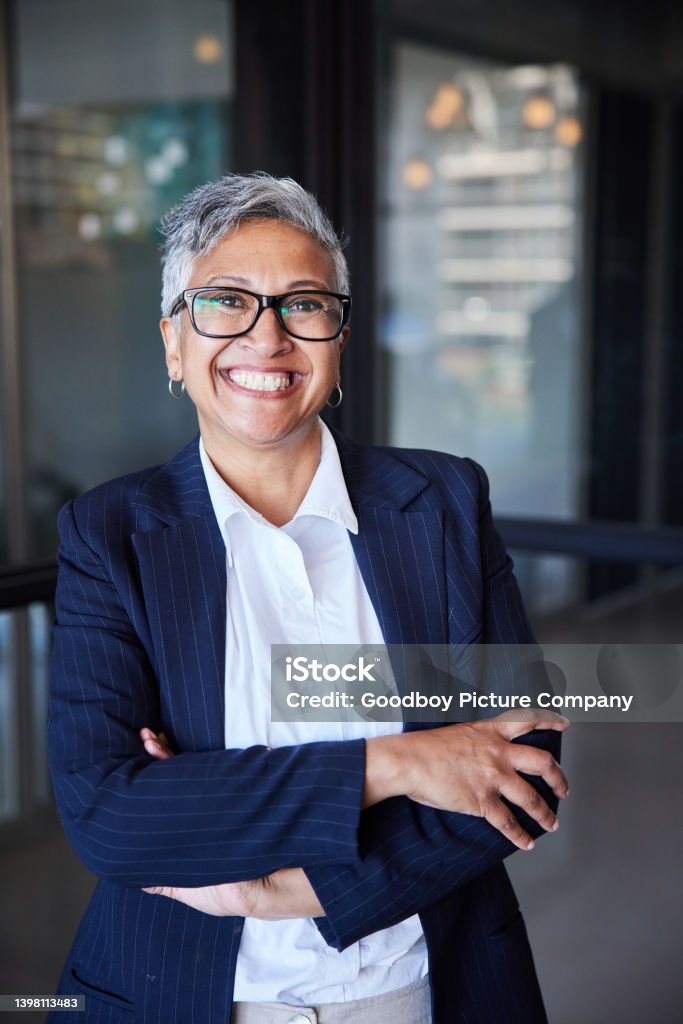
531, 845
555, 827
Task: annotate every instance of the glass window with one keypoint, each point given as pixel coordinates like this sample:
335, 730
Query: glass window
40, 617
480, 237
9, 780
105, 139
4, 552
20, 627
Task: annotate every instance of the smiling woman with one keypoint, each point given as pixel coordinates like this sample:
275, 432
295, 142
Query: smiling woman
283, 867
258, 391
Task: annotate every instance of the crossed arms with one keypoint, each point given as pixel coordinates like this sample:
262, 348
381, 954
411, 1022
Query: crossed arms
465, 768
368, 832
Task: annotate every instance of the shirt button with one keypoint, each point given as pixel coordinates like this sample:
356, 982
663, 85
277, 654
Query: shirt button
299, 1018
296, 593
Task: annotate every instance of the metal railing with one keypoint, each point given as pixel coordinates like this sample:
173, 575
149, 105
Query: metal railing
597, 540
23, 584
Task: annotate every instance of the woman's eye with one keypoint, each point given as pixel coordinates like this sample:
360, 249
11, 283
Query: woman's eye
220, 302
230, 300
304, 305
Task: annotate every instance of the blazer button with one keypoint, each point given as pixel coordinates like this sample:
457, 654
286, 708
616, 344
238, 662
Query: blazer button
300, 1018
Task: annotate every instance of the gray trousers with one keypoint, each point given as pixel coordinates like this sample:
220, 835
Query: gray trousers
409, 1005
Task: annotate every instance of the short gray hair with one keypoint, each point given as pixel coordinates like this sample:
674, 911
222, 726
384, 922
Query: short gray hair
205, 216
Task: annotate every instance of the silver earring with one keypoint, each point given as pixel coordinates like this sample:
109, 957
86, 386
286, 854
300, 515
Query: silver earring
176, 394
335, 405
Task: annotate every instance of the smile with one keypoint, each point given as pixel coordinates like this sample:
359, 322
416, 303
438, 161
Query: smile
250, 380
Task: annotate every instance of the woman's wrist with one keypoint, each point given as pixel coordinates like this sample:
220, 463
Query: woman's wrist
387, 768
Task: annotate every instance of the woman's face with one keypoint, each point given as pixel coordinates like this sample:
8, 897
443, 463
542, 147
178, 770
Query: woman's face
269, 258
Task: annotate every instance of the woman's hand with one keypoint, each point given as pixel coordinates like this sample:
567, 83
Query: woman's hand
156, 744
227, 900
282, 895
469, 768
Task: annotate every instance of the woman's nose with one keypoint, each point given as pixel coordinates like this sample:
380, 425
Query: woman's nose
267, 336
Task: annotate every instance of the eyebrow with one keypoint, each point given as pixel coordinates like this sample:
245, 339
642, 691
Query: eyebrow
303, 283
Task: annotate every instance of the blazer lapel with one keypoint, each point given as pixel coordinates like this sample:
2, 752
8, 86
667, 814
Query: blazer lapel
399, 549
181, 555
400, 555
399, 545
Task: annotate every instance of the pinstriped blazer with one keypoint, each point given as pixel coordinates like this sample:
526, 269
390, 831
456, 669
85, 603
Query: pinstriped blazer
140, 640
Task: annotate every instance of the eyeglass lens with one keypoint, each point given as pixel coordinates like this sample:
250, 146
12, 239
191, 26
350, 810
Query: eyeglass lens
222, 312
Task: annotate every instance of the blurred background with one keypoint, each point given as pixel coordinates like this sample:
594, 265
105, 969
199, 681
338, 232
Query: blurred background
508, 176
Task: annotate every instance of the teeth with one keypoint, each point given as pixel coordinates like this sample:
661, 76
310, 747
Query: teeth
261, 381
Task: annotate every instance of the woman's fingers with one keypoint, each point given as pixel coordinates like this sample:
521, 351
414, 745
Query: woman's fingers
156, 744
502, 818
227, 900
473, 769
512, 724
520, 793
523, 795
533, 761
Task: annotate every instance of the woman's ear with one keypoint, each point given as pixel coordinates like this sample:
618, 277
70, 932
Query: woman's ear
171, 337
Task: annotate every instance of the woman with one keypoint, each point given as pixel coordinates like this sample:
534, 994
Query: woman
327, 873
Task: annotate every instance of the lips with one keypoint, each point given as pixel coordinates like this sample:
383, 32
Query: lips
265, 382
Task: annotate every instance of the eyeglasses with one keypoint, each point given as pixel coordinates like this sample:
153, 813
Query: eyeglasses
228, 312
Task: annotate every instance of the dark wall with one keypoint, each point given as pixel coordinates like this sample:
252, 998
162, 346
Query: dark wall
306, 80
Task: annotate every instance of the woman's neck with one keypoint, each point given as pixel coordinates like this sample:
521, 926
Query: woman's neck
272, 480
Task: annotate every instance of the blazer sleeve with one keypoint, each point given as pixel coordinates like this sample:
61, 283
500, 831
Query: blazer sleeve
198, 818
411, 854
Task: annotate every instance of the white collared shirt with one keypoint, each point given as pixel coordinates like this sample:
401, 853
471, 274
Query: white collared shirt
300, 584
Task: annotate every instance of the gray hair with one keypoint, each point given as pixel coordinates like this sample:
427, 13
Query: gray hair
206, 215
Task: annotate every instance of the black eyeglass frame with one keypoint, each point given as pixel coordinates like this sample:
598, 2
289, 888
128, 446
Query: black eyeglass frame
273, 302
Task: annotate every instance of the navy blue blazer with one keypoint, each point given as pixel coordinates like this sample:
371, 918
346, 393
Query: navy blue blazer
140, 640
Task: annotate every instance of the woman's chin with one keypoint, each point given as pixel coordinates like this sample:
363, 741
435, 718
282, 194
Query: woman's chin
269, 426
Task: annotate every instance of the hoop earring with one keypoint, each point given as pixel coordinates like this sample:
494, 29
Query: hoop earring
335, 405
173, 394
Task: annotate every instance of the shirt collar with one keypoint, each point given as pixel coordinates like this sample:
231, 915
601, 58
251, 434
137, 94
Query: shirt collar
327, 496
